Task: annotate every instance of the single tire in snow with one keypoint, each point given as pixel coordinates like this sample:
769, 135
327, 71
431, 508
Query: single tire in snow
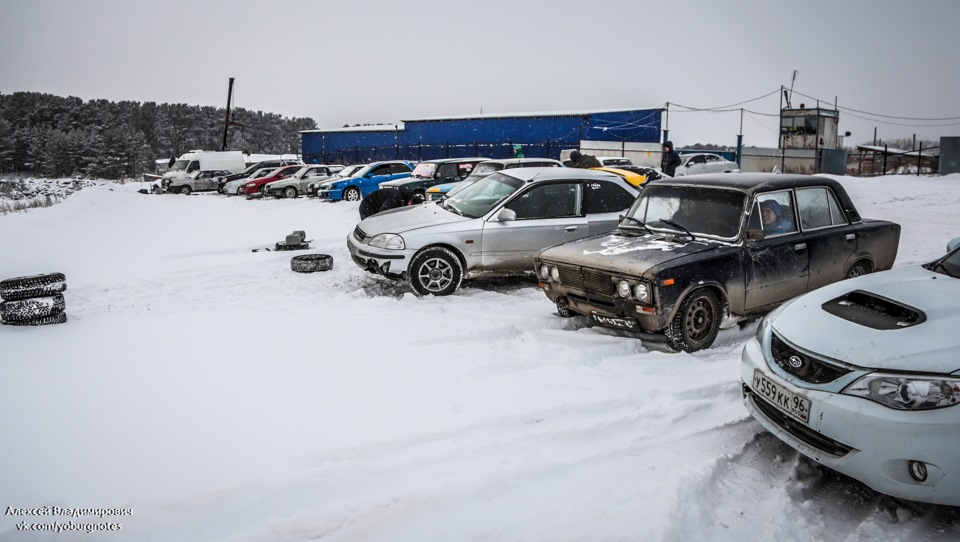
58, 318
309, 263
32, 286
282, 245
30, 308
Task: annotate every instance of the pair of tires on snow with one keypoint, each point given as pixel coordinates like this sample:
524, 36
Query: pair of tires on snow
34, 300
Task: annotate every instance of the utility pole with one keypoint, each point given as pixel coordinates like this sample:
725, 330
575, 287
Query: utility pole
226, 121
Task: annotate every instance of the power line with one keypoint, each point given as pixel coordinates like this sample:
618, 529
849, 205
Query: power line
885, 116
725, 108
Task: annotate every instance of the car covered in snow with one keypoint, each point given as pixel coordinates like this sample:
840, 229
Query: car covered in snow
491, 228
297, 183
696, 254
365, 181
863, 376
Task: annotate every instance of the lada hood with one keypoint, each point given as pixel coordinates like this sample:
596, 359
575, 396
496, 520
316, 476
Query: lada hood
404, 219
932, 345
631, 255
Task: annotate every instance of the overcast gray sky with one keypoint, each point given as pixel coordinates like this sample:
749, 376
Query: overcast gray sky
364, 61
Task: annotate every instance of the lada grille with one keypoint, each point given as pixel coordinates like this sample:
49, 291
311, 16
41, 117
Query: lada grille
803, 366
359, 234
588, 280
796, 428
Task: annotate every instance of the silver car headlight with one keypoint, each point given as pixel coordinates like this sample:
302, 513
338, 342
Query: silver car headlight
764, 327
642, 292
554, 274
544, 271
623, 288
907, 392
387, 240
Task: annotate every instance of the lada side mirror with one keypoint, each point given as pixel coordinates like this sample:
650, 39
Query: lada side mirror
755, 235
506, 215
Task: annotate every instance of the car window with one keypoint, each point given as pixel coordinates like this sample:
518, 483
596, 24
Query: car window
818, 208
782, 220
381, 170
489, 167
447, 171
554, 200
711, 158
698, 159
480, 197
606, 197
399, 169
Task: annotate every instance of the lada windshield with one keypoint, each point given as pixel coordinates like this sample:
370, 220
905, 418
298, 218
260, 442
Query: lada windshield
480, 197
425, 170
689, 209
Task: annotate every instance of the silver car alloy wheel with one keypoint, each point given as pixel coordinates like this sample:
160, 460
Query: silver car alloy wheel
435, 275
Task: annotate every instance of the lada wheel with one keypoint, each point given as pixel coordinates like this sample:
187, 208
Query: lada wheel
858, 270
565, 312
289, 192
697, 323
435, 270
185, 190
351, 194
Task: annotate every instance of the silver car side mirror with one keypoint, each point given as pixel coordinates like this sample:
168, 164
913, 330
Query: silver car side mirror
506, 215
954, 243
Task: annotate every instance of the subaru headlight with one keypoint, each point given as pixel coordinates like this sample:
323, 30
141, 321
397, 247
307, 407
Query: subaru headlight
387, 240
907, 392
764, 326
642, 292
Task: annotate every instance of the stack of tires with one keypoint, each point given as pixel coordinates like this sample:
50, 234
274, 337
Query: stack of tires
34, 300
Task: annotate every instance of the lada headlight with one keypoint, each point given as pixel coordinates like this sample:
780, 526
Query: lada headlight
642, 292
554, 274
623, 288
907, 392
387, 240
544, 271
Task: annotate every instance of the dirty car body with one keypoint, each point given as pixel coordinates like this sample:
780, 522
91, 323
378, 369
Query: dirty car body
662, 274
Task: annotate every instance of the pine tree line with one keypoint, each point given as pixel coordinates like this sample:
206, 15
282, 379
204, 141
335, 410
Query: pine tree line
64, 137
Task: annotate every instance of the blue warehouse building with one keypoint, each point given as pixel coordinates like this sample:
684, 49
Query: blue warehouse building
489, 136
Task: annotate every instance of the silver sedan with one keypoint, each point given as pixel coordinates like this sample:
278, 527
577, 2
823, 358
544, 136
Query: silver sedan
491, 228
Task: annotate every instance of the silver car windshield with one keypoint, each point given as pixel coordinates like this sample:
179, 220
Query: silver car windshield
480, 197
689, 209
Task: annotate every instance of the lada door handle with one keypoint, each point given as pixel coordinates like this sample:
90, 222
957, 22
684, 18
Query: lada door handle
800, 247
570, 228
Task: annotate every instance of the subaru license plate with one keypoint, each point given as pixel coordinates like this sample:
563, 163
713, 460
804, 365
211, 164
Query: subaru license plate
782, 398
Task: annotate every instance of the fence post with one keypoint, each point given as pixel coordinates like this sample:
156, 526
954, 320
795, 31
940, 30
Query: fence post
884, 160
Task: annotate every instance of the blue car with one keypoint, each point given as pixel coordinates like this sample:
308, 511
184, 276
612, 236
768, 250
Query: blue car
365, 181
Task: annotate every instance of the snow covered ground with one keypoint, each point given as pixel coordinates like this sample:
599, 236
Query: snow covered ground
216, 395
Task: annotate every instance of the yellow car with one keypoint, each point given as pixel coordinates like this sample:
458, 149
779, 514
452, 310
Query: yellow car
636, 179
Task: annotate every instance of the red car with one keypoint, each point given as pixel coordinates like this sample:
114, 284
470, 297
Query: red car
257, 185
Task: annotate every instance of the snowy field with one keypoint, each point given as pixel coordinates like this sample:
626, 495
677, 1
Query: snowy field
216, 395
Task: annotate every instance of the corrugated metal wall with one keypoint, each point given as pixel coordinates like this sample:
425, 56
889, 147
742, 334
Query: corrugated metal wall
543, 135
